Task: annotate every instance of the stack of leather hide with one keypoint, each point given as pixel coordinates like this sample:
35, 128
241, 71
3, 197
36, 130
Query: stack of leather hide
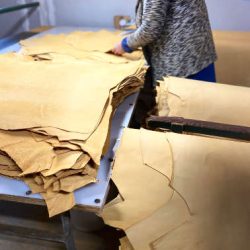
55, 119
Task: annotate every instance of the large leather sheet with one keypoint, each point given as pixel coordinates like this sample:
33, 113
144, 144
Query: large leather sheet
102, 41
204, 101
80, 45
205, 205
41, 98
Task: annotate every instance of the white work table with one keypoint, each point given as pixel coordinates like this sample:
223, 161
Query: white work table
93, 196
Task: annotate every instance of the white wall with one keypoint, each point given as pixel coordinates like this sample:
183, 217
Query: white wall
229, 14
88, 13
224, 14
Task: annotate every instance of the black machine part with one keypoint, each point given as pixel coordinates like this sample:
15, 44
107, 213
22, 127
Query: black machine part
182, 125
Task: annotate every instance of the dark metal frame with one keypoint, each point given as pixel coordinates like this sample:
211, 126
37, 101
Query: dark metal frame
66, 238
181, 125
18, 7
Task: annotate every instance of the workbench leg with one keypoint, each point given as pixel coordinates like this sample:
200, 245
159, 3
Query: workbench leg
67, 230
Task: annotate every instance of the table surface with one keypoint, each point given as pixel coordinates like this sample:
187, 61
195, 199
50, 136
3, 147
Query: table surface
93, 196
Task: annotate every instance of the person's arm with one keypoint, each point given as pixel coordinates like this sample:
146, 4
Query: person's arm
154, 17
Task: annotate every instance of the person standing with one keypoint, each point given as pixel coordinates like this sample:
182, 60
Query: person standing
176, 39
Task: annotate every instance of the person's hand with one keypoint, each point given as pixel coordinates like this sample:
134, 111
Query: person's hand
118, 50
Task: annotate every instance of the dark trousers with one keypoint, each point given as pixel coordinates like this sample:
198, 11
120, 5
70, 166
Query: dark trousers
145, 102
207, 74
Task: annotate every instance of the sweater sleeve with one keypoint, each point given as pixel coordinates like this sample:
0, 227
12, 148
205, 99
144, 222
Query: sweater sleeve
154, 16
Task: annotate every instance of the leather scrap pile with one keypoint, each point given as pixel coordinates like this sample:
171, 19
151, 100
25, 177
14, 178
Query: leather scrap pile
55, 119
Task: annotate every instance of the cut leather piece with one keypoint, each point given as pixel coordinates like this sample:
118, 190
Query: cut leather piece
192, 100
90, 170
172, 215
58, 202
39, 180
38, 155
81, 162
62, 135
63, 161
55, 142
56, 186
74, 182
34, 187
50, 180
5, 160
62, 144
63, 174
6, 171
10, 168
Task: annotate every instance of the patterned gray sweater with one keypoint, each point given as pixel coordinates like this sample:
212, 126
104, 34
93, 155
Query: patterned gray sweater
175, 35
